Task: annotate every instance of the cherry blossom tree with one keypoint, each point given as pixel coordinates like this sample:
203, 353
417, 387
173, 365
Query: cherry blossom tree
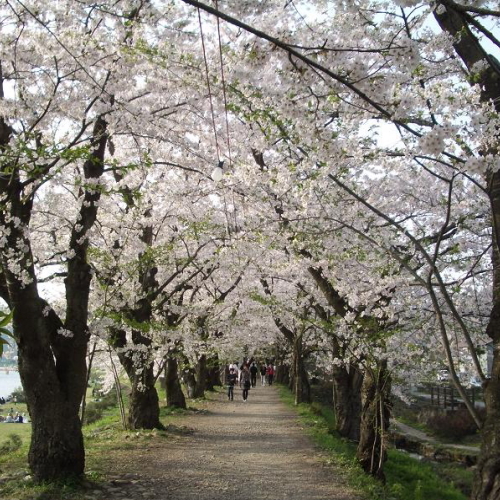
394, 67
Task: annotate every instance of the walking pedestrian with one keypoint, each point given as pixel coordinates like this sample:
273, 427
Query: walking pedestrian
245, 381
270, 373
253, 374
231, 381
263, 369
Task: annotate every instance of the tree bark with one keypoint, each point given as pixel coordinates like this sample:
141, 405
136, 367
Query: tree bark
190, 380
347, 383
283, 374
56, 449
200, 373
301, 386
371, 452
213, 373
175, 396
144, 407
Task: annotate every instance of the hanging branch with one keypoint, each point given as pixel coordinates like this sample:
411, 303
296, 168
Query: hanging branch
208, 84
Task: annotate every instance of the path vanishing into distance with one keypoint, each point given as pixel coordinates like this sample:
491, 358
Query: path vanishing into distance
254, 450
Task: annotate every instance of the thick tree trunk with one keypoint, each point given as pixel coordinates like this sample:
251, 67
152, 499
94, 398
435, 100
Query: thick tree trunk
487, 478
201, 377
175, 396
283, 374
56, 449
301, 386
188, 376
144, 408
213, 373
347, 383
375, 392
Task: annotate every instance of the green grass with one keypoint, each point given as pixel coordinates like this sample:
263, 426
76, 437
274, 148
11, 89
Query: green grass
406, 477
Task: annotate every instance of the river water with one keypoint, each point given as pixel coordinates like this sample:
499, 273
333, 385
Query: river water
9, 381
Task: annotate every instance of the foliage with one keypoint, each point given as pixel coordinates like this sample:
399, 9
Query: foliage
18, 395
5, 320
94, 410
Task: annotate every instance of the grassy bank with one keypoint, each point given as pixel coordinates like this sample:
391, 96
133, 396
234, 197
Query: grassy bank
104, 437
406, 478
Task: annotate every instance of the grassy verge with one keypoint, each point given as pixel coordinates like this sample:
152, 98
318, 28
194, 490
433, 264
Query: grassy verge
104, 438
406, 477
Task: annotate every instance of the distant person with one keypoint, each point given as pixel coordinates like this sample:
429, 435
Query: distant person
253, 374
263, 370
245, 383
270, 374
231, 381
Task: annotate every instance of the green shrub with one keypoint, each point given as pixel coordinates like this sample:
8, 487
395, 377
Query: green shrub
18, 396
92, 413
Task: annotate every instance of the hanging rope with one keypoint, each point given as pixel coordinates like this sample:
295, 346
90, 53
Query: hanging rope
223, 84
209, 87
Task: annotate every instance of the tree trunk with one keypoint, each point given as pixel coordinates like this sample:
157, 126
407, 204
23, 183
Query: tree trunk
201, 377
56, 449
375, 392
487, 478
301, 386
283, 374
175, 396
188, 376
144, 408
213, 373
347, 383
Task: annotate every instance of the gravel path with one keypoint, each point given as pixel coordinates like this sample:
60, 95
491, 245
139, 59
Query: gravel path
254, 450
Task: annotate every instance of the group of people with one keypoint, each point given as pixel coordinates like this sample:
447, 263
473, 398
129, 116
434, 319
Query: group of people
13, 418
246, 376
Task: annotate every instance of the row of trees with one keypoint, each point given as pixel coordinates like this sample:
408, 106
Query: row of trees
355, 220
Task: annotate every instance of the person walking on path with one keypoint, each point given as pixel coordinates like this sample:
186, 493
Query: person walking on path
270, 373
245, 381
253, 374
263, 370
231, 381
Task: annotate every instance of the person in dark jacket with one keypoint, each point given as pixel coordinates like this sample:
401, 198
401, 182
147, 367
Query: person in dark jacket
253, 374
263, 370
231, 382
245, 383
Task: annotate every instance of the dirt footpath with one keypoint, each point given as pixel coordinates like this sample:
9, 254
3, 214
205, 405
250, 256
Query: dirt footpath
237, 450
